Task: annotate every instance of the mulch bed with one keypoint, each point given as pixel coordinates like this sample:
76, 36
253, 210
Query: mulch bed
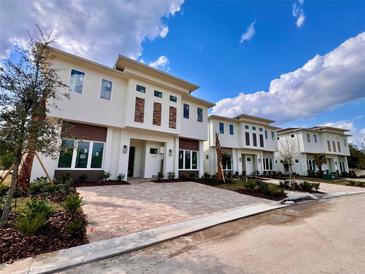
14, 245
163, 181
101, 183
259, 194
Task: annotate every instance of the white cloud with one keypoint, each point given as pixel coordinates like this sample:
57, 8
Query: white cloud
249, 33
323, 82
98, 30
161, 62
357, 135
298, 13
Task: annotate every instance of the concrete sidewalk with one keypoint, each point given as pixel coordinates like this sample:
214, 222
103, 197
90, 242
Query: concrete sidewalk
67, 258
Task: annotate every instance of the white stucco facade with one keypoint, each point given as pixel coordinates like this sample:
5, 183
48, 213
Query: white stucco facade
249, 142
307, 142
155, 147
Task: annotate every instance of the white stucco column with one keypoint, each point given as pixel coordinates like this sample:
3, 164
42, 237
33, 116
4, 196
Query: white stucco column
201, 158
176, 156
234, 161
108, 153
124, 148
239, 162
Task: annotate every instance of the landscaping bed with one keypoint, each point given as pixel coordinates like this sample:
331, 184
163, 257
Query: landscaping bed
302, 186
47, 217
101, 183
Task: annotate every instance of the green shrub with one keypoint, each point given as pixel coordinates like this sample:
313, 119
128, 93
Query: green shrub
262, 187
33, 216
305, 186
120, 177
104, 176
38, 186
3, 190
276, 192
75, 227
160, 176
73, 203
171, 175
285, 184
316, 186
249, 185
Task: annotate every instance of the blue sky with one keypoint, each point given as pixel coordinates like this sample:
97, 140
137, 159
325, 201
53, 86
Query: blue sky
200, 42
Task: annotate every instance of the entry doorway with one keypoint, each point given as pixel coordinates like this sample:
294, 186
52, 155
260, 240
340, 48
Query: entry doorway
131, 161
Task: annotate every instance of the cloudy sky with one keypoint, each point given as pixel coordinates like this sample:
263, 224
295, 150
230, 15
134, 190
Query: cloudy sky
301, 63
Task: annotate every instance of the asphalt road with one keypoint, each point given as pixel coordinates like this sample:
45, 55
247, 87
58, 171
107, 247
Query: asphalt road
316, 237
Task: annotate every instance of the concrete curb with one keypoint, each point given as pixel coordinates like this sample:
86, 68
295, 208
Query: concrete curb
71, 257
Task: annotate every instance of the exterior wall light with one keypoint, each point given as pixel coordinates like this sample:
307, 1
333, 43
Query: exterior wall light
125, 149
170, 152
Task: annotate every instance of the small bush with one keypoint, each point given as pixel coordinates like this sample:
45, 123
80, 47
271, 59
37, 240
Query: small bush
305, 186
3, 190
171, 175
75, 227
104, 176
30, 226
160, 176
262, 187
121, 177
73, 203
249, 185
316, 186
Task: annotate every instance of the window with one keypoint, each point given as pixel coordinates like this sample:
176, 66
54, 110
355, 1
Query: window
157, 94
260, 129
76, 154
334, 146
315, 138
328, 145
172, 117
247, 137
338, 146
253, 128
188, 160
261, 140
292, 135
221, 128
345, 142
200, 114
156, 119
97, 155
254, 140
139, 110
173, 98
266, 134
106, 89
246, 127
82, 154
186, 111
231, 130
273, 135
77, 81
141, 88
308, 138
296, 160
153, 151
227, 161
66, 153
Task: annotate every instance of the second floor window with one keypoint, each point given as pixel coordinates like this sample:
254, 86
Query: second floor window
173, 98
338, 146
328, 145
261, 140
247, 137
231, 129
106, 89
254, 140
308, 138
77, 81
266, 134
141, 88
273, 135
315, 138
334, 146
158, 94
200, 114
186, 111
221, 128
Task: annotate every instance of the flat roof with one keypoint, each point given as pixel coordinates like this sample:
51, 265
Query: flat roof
314, 129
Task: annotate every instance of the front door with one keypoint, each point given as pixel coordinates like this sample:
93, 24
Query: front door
249, 165
131, 161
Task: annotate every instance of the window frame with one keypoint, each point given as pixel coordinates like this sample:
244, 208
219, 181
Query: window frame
247, 140
188, 111
74, 155
191, 160
83, 81
308, 138
173, 96
261, 140
221, 129
199, 110
157, 92
145, 89
111, 90
254, 139
231, 129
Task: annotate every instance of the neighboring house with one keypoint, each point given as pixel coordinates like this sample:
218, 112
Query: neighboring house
131, 119
307, 142
248, 144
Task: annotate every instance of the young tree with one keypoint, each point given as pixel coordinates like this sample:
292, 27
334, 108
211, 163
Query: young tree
320, 159
287, 152
29, 86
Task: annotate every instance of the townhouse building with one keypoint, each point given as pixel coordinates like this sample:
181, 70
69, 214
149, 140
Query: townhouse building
129, 119
248, 144
307, 142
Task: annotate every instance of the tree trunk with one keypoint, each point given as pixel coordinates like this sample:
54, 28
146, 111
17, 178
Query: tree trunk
9, 198
25, 171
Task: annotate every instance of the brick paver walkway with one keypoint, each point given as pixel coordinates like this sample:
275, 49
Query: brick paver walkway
119, 210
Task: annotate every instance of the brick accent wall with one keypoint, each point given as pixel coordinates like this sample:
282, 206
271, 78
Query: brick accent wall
157, 114
83, 132
188, 144
139, 110
172, 117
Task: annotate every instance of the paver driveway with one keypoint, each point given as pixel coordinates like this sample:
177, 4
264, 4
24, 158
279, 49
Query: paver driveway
119, 210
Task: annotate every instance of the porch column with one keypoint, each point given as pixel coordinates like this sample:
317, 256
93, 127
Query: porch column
234, 161
346, 165
176, 156
124, 149
239, 162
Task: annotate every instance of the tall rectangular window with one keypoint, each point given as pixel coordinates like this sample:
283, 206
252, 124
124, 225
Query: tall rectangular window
186, 111
261, 140
315, 138
221, 128
200, 114
194, 160
181, 159
187, 159
273, 135
254, 140
141, 88
106, 89
231, 129
308, 138
157, 93
334, 146
247, 137
328, 145
97, 155
66, 153
139, 110
82, 154
77, 81
338, 146
266, 134
172, 117
156, 120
